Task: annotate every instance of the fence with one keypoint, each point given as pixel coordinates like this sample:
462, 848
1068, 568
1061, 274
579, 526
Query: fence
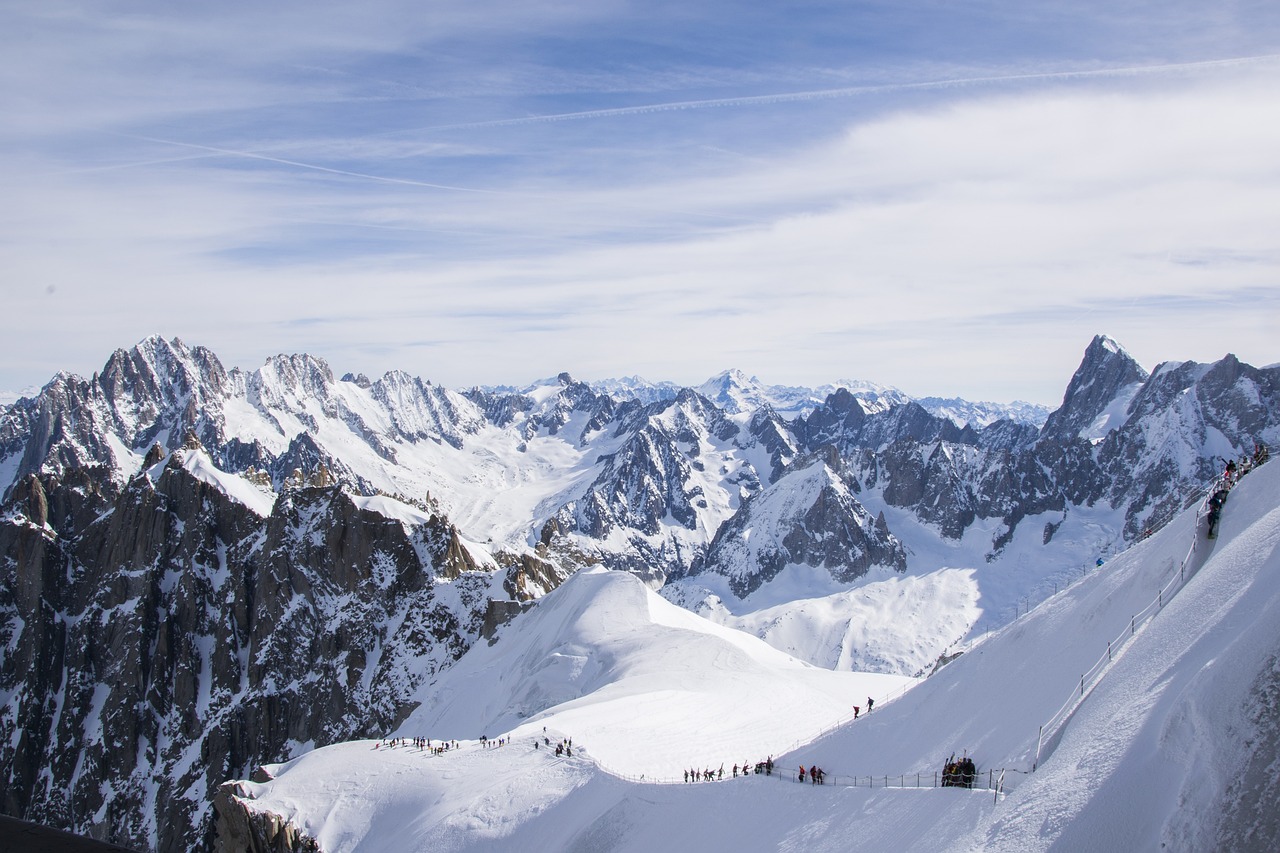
991, 781
1051, 731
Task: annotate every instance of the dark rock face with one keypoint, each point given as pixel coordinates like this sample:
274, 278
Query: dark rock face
826, 527
1103, 374
241, 829
1140, 442
168, 639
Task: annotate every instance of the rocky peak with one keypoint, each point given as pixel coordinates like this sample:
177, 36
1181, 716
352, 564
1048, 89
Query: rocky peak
288, 381
1098, 395
733, 391
809, 517
840, 416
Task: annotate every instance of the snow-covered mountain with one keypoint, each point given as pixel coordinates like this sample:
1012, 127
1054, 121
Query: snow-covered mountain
280, 559
1133, 710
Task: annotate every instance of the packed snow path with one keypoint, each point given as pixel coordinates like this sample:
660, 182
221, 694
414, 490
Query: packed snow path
1202, 543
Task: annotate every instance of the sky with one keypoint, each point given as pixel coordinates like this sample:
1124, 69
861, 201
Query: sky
948, 197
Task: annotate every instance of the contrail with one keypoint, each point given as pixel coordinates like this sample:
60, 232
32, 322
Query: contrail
299, 164
845, 92
670, 106
253, 155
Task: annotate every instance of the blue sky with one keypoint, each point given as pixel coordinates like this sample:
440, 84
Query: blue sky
951, 197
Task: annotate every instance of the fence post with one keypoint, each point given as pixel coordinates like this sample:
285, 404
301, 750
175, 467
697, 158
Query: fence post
1082, 685
1131, 620
1108, 651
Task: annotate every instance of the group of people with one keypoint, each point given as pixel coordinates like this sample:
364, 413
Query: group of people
817, 775
707, 775
1231, 474
488, 744
958, 773
437, 748
1235, 470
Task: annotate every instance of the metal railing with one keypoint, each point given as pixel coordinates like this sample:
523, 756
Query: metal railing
1051, 731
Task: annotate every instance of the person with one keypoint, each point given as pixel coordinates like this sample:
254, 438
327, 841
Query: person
1260, 454
1099, 563
801, 772
856, 709
1216, 501
735, 771
870, 703
686, 775
1231, 470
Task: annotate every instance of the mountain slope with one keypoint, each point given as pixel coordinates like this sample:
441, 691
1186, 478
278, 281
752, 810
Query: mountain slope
1161, 747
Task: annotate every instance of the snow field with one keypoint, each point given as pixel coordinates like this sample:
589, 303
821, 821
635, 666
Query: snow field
1143, 762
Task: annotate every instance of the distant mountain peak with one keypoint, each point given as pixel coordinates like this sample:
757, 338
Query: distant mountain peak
1097, 398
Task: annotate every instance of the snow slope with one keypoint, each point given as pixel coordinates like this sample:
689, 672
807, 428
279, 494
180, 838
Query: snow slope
1153, 756
605, 657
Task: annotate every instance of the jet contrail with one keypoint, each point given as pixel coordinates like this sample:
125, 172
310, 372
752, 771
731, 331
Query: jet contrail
253, 155
845, 92
299, 164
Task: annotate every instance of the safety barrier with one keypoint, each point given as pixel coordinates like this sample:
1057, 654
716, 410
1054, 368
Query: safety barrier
990, 780
1051, 731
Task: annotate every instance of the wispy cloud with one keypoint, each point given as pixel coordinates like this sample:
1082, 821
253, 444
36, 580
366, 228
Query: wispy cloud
951, 199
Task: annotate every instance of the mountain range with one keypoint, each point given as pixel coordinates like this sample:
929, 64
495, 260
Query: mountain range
204, 569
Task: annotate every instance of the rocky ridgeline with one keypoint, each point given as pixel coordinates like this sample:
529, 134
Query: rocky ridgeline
161, 636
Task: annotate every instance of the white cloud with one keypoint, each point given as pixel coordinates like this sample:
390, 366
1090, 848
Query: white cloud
972, 242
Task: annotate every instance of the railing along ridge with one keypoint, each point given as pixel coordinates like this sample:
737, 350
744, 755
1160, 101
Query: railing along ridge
1051, 731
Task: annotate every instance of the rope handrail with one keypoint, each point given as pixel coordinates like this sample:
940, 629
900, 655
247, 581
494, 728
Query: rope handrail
1053, 727
994, 778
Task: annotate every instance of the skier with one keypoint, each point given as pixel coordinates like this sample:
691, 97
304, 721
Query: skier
801, 772
870, 703
856, 710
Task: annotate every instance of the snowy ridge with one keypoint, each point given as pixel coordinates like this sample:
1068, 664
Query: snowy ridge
1136, 766
197, 462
